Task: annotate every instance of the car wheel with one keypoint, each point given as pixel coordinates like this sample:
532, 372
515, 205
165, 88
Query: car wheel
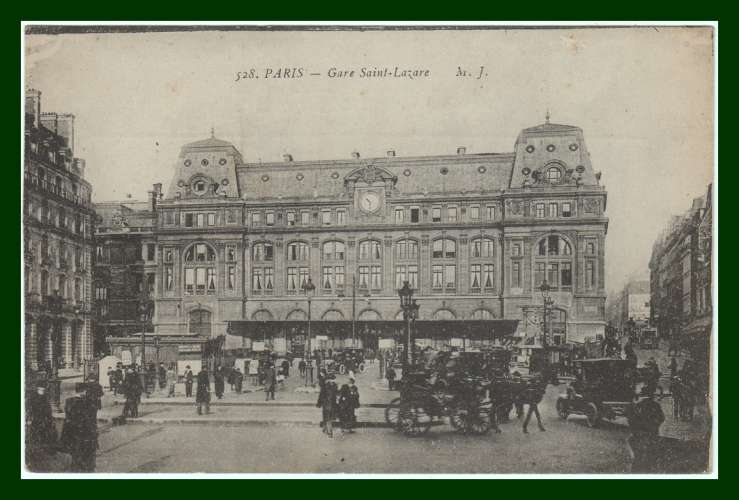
562, 408
591, 412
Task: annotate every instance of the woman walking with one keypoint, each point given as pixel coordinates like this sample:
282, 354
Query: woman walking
327, 402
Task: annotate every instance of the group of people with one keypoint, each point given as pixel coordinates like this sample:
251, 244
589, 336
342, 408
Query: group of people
337, 403
684, 388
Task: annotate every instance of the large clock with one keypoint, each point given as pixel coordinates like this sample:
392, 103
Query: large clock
369, 202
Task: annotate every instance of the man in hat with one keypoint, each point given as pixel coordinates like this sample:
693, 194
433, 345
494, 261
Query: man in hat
327, 403
645, 419
202, 397
79, 434
162, 377
42, 434
189, 377
238, 380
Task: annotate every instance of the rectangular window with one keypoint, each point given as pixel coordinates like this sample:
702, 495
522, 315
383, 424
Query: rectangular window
339, 274
231, 278
341, 217
150, 251
326, 217
401, 273
211, 219
256, 218
268, 278
451, 214
436, 214
474, 212
476, 276
399, 215
566, 209
553, 275
292, 278
363, 276
437, 277
491, 212
516, 250
169, 218
231, 216
270, 218
257, 279
413, 276
291, 218
516, 274
201, 220
327, 280
189, 281
200, 280
168, 278
566, 274
450, 276
188, 220
488, 276
304, 218
414, 214
303, 276
539, 271
553, 209
539, 210
376, 277
589, 274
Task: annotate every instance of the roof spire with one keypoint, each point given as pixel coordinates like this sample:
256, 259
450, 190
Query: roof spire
213, 131
547, 115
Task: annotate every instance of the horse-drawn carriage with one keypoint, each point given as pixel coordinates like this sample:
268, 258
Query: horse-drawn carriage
603, 388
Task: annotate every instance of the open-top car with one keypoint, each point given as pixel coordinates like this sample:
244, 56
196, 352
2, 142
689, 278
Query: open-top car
603, 388
348, 359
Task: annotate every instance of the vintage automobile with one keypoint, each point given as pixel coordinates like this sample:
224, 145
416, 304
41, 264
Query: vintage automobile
603, 388
346, 359
648, 339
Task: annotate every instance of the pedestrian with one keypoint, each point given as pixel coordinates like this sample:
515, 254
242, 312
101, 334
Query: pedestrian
344, 409
202, 397
162, 377
533, 396
238, 380
327, 403
231, 379
270, 381
381, 364
118, 379
390, 376
645, 419
171, 381
79, 434
673, 367
95, 391
652, 376
629, 352
301, 367
188, 381
219, 382
132, 390
111, 379
42, 433
286, 368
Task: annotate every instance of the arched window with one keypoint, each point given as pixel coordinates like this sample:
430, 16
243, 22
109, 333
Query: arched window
44, 282
553, 263
554, 175
297, 251
444, 268
369, 314
482, 248
482, 314
444, 248
333, 250
200, 270
444, 314
370, 267
262, 252
406, 263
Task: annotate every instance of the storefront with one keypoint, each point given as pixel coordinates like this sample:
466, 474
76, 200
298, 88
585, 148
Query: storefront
172, 350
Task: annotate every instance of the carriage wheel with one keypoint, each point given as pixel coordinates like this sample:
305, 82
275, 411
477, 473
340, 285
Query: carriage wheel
360, 368
472, 422
562, 409
591, 412
342, 368
413, 422
392, 412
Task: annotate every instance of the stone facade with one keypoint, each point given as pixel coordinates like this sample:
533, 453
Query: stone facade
476, 234
57, 242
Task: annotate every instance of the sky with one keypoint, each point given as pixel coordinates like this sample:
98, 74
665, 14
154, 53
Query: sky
643, 97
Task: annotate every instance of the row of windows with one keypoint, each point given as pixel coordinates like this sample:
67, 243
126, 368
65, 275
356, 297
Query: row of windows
46, 284
55, 216
553, 209
201, 219
303, 218
63, 255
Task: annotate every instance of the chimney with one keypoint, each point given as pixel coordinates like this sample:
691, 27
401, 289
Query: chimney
287, 157
61, 125
391, 153
355, 154
154, 196
78, 165
461, 150
33, 106
158, 189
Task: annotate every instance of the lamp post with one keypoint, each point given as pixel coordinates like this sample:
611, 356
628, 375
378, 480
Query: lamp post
309, 288
410, 311
144, 316
548, 302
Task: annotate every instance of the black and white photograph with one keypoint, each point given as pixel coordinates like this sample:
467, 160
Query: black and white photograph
376, 250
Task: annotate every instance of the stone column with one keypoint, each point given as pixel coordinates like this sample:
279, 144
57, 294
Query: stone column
31, 345
67, 344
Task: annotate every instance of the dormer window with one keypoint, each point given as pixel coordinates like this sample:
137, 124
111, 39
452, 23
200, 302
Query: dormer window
554, 175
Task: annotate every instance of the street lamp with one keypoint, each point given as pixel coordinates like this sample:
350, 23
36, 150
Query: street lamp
410, 312
144, 316
548, 301
309, 289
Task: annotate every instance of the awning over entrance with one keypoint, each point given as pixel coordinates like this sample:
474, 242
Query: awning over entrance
479, 329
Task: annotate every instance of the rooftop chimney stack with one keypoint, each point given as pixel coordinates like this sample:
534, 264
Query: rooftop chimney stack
33, 106
287, 157
355, 154
461, 150
391, 153
61, 124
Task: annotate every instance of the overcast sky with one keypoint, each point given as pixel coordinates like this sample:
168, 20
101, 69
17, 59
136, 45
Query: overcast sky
643, 97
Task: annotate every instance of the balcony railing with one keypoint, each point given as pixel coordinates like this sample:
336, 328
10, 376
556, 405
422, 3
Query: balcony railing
49, 187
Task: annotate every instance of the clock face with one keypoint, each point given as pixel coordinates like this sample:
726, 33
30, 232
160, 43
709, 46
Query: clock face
369, 202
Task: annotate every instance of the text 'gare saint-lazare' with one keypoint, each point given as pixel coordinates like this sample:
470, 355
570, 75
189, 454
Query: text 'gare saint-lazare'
334, 72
